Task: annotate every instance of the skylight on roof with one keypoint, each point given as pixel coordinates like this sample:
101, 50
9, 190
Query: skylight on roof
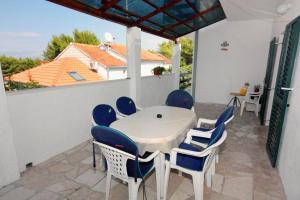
76, 76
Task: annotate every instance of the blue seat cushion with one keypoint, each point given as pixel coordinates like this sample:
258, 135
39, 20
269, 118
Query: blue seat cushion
228, 112
181, 99
104, 115
201, 139
202, 129
190, 162
126, 105
144, 167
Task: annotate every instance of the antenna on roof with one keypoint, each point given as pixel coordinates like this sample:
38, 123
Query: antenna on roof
108, 37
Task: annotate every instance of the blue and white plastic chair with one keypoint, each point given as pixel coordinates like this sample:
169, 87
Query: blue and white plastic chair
196, 162
126, 106
123, 160
103, 115
225, 117
181, 99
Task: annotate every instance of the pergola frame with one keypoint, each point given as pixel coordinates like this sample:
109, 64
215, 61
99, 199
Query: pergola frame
166, 31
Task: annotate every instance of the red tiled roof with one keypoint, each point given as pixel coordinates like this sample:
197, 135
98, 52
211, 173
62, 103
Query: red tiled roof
99, 55
56, 73
145, 55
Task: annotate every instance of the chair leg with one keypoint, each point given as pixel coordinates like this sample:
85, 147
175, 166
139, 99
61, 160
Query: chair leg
166, 182
213, 166
208, 176
94, 156
198, 179
217, 158
133, 188
242, 108
108, 180
157, 161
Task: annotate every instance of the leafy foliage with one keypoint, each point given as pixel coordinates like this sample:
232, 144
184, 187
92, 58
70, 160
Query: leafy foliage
12, 85
85, 37
59, 43
12, 65
186, 60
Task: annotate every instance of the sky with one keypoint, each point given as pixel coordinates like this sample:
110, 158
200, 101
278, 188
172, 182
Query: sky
26, 27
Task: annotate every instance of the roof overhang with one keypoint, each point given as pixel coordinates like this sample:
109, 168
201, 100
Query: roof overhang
170, 19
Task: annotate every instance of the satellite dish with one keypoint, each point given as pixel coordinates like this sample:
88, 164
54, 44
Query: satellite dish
109, 37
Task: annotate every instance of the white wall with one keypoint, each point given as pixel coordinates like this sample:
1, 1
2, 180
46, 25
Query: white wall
221, 72
71, 51
117, 73
48, 121
9, 171
156, 89
289, 160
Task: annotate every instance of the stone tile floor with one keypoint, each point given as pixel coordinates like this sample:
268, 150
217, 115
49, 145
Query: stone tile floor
243, 173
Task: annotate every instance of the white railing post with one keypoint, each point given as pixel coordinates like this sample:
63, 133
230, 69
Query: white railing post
9, 170
176, 63
133, 42
195, 62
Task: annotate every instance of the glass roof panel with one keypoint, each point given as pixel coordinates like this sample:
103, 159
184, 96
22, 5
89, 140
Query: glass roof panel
92, 3
165, 18
137, 7
181, 10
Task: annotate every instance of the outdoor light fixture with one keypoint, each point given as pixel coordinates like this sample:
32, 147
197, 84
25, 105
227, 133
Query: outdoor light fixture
283, 8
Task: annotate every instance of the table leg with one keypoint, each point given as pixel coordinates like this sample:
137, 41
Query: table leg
162, 174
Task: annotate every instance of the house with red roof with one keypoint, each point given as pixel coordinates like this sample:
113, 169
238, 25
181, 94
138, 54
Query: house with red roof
109, 60
64, 71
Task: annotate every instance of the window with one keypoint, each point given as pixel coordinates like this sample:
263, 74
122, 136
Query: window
76, 76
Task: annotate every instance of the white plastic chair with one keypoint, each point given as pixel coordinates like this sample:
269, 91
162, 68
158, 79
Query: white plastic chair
123, 162
197, 176
116, 166
251, 99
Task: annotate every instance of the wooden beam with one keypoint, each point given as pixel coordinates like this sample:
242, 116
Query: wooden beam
108, 4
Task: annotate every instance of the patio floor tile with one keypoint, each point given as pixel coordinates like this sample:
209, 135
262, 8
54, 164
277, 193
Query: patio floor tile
244, 171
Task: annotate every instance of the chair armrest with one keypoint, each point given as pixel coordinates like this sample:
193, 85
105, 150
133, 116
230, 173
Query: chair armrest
205, 121
94, 123
197, 133
120, 115
175, 151
150, 157
138, 108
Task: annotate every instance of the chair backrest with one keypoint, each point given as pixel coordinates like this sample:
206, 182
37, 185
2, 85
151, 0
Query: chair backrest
104, 115
216, 134
117, 149
126, 105
225, 116
180, 98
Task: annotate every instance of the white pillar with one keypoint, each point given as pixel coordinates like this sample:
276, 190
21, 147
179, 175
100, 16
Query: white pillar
176, 63
133, 40
9, 170
196, 55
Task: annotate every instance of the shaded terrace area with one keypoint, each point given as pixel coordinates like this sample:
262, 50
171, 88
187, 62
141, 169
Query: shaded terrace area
244, 171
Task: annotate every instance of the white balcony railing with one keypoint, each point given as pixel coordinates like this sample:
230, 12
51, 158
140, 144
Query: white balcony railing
48, 121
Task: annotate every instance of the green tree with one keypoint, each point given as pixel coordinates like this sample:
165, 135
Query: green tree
11, 65
186, 60
59, 43
85, 37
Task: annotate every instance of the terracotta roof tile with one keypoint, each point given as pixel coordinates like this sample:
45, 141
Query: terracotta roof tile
99, 55
145, 55
56, 73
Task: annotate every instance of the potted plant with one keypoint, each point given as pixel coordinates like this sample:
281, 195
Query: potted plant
256, 88
158, 70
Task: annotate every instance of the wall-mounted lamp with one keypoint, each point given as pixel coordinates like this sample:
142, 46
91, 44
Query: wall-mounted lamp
283, 8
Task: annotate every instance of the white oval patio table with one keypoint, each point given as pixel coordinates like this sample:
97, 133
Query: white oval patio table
152, 133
